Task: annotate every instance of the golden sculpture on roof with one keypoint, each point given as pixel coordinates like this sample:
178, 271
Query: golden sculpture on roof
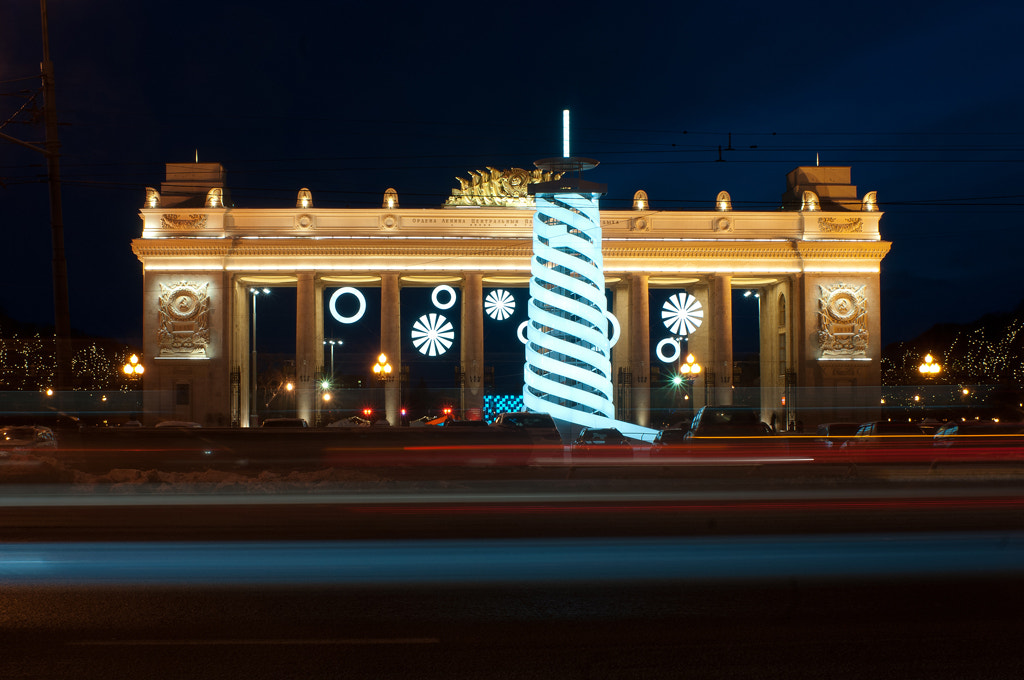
495, 188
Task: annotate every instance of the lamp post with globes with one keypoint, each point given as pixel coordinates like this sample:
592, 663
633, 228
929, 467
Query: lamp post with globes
930, 367
382, 369
688, 372
133, 370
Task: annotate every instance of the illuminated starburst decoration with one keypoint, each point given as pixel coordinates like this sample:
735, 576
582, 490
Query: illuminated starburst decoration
499, 304
432, 334
682, 314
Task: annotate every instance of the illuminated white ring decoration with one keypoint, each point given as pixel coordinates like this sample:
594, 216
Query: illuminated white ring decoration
499, 304
682, 314
616, 329
443, 288
521, 332
568, 365
348, 291
432, 334
659, 350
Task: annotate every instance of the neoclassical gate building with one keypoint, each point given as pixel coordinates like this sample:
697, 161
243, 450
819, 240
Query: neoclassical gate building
814, 263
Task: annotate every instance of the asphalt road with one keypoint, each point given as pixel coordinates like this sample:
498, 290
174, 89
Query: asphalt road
795, 628
734, 571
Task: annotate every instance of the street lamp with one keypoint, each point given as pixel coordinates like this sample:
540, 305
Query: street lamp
332, 343
929, 368
133, 368
688, 372
382, 369
255, 292
690, 369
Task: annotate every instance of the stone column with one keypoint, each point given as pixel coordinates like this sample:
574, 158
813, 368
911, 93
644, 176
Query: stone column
620, 352
473, 346
321, 408
640, 348
698, 344
306, 350
721, 338
391, 344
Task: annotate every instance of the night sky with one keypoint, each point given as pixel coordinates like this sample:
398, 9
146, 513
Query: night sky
923, 100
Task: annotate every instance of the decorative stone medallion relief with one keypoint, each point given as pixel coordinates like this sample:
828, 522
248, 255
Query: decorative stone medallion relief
722, 225
184, 223
837, 225
842, 320
184, 329
639, 224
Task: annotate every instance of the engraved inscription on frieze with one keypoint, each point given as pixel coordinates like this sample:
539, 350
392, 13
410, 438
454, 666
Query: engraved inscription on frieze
184, 328
842, 320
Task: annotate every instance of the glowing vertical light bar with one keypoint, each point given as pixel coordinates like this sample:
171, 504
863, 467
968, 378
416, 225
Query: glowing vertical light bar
565, 133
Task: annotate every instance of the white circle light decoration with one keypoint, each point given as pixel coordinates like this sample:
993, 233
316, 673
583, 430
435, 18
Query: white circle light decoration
443, 288
348, 291
499, 304
616, 329
671, 358
682, 314
432, 334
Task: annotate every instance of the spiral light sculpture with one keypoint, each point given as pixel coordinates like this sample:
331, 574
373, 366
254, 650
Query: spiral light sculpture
568, 364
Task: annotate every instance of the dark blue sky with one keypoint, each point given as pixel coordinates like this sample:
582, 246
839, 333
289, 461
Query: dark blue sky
923, 100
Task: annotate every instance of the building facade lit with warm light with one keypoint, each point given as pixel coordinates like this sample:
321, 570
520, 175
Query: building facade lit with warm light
814, 264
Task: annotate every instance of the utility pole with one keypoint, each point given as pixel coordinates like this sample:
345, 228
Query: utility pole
51, 149
61, 305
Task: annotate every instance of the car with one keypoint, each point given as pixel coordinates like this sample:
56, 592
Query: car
670, 438
465, 423
184, 424
284, 422
351, 421
887, 434
26, 437
979, 434
834, 434
540, 428
602, 442
727, 421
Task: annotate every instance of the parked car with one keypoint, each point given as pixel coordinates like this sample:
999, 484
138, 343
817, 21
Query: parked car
834, 434
465, 423
979, 434
727, 421
351, 421
601, 442
26, 437
185, 424
670, 438
284, 422
887, 434
539, 428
